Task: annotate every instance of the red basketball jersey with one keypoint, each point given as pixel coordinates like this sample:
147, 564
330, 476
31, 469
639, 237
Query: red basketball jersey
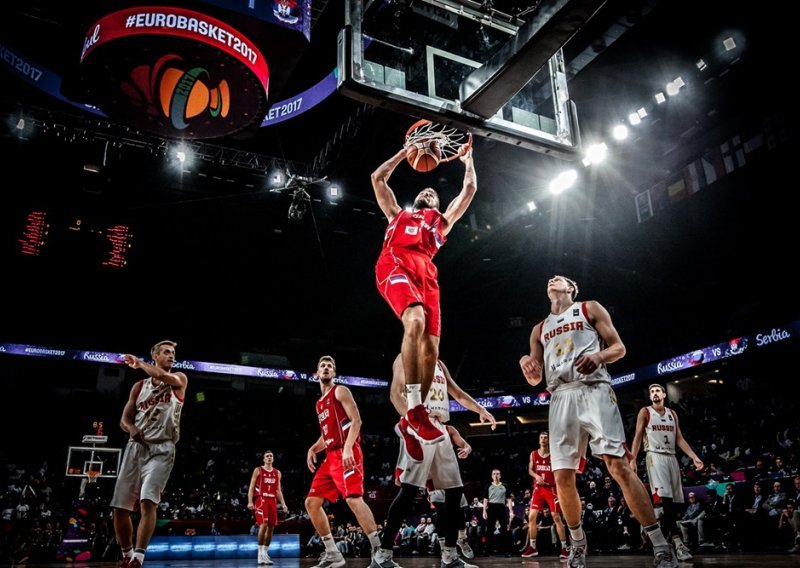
267, 482
418, 231
333, 420
541, 465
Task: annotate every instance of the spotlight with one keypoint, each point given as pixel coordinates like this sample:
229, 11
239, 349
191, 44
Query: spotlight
634, 119
660, 98
563, 181
21, 124
729, 43
334, 191
531, 206
701, 65
620, 132
181, 155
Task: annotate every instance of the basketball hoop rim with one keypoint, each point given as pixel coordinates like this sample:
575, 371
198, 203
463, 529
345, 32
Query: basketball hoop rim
450, 138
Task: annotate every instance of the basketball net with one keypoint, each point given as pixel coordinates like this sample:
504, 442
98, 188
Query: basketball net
450, 140
92, 475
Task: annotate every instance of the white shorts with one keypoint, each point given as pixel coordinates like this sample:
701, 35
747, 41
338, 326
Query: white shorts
143, 474
581, 414
439, 464
664, 474
437, 496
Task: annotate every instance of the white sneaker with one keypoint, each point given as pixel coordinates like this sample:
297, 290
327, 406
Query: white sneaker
465, 548
665, 559
331, 560
577, 554
682, 552
267, 559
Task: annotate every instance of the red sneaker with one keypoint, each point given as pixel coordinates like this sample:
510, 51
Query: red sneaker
529, 552
564, 554
421, 427
124, 562
413, 447
135, 563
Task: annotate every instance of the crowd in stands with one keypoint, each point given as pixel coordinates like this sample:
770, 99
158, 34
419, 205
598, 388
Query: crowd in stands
746, 498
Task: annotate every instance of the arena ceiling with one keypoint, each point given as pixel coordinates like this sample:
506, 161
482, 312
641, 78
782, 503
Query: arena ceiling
217, 264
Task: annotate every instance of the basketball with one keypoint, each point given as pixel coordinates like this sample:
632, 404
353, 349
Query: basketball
424, 155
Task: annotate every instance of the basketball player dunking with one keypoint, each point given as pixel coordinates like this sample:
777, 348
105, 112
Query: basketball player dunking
574, 344
419, 463
408, 280
544, 493
265, 488
658, 427
151, 418
341, 474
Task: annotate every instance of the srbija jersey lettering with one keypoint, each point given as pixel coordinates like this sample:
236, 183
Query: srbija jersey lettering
541, 465
660, 432
158, 411
418, 231
564, 338
267, 482
333, 421
438, 401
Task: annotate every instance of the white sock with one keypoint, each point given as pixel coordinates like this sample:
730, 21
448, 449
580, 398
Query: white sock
330, 544
462, 534
374, 540
678, 541
563, 544
262, 550
138, 554
533, 543
127, 552
414, 395
576, 533
656, 536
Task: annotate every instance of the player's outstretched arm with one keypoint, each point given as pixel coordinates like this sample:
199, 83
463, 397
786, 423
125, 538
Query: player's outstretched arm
380, 183
464, 399
684, 445
459, 205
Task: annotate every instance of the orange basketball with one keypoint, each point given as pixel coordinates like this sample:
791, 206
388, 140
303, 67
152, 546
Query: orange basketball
424, 155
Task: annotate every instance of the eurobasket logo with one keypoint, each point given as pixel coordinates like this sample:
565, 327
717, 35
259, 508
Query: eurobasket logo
176, 93
174, 72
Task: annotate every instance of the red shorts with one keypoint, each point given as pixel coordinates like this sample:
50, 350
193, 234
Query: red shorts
407, 278
545, 495
331, 480
266, 511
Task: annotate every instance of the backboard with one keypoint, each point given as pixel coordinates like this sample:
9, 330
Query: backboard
81, 459
465, 64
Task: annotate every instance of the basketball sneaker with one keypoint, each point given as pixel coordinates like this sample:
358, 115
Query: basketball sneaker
665, 559
125, 561
564, 553
267, 559
465, 548
413, 447
529, 552
421, 427
383, 559
577, 554
135, 563
331, 560
457, 563
682, 552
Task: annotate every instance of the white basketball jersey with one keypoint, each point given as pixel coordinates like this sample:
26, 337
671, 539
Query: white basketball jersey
564, 338
660, 432
158, 412
438, 401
